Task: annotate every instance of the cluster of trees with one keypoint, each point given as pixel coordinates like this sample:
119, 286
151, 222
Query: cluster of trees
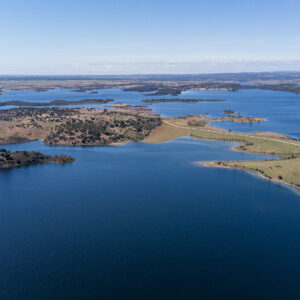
35, 112
10, 159
166, 89
144, 88
104, 130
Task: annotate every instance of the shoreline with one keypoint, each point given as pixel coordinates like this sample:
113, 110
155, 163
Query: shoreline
286, 152
205, 164
94, 127
208, 164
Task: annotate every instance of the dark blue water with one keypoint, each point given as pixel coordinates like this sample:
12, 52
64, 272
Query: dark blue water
281, 110
141, 221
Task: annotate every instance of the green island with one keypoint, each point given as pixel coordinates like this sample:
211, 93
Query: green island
24, 158
89, 126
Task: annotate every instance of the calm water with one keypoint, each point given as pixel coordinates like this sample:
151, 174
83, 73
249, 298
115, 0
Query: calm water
140, 221
281, 110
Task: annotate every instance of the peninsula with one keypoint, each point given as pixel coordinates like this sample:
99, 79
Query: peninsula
83, 126
24, 158
77, 126
284, 168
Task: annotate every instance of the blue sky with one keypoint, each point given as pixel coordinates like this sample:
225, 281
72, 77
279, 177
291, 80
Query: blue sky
128, 36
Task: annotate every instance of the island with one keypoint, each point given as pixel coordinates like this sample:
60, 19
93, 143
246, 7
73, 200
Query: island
180, 100
24, 158
56, 102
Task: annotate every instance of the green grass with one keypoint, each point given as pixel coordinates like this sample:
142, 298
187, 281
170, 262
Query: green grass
286, 169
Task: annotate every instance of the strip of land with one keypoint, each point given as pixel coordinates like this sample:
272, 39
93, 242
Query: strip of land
158, 84
181, 100
55, 102
24, 158
140, 108
286, 169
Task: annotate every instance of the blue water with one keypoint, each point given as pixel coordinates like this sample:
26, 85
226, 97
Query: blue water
281, 110
141, 221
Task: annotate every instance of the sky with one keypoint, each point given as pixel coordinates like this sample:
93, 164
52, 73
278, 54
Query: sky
142, 37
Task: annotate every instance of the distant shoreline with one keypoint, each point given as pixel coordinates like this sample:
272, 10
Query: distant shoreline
55, 102
181, 100
155, 85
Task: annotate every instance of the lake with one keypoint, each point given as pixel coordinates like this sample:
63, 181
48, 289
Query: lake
142, 221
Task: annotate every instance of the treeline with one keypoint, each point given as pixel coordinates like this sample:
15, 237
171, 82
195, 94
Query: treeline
56, 102
159, 89
15, 159
114, 128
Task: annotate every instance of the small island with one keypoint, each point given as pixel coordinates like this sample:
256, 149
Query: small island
181, 100
56, 102
24, 158
228, 112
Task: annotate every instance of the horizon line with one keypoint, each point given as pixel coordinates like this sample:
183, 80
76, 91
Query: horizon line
147, 74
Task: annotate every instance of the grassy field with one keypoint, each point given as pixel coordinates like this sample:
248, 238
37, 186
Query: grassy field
286, 169
166, 133
282, 170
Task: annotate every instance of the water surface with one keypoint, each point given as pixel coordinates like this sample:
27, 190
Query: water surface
140, 221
